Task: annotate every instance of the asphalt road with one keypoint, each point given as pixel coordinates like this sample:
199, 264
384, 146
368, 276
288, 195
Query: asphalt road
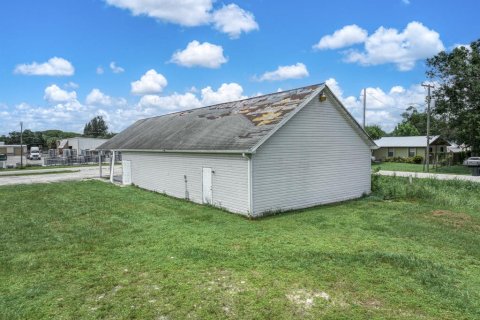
78, 173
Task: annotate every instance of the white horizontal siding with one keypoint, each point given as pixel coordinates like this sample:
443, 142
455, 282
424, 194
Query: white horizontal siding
164, 172
315, 158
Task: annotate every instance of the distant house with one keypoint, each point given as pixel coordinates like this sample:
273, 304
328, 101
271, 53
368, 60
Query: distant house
276, 152
79, 146
403, 147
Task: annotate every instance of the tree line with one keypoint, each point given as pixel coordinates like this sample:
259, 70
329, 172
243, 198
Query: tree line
456, 112
47, 139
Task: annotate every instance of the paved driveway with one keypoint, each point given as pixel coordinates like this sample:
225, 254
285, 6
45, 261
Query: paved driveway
78, 173
423, 175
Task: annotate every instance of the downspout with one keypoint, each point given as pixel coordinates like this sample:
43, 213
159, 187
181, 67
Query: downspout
250, 183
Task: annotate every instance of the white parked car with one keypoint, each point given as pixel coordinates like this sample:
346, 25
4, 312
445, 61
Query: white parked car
472, 162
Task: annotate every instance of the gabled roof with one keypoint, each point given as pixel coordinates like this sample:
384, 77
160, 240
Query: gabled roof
238, 126
411, 141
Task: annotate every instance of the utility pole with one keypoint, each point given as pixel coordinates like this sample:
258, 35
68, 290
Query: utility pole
429, 98
21, 144
364, 106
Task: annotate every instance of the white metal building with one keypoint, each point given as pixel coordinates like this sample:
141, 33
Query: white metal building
282, 151
80, 145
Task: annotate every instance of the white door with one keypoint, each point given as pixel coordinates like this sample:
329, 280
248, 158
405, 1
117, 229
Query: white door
126, 172
207, 185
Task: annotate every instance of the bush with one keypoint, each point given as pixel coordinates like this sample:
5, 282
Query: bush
418, 159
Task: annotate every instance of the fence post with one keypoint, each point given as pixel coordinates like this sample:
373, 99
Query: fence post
100, 162
112, 166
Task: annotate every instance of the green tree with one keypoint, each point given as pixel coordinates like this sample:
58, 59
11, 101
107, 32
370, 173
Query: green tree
405, 129
457, 93
375, 131
96, 128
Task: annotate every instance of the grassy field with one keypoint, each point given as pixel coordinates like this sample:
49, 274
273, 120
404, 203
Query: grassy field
87, 250
410, 167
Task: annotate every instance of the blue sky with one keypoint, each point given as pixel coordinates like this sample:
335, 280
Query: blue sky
64, 61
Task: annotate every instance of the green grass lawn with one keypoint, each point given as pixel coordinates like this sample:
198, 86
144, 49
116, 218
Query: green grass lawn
410, 167
89, 249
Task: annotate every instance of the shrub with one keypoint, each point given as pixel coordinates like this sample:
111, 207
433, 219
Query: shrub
417, 159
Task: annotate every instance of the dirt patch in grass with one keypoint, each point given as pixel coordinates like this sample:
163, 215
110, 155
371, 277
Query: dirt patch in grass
304, 300
457, 220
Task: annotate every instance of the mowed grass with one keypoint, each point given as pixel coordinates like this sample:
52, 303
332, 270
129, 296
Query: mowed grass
88, 250
412, 167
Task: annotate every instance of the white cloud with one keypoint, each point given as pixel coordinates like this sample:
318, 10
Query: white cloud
200, 55
71, 85
100, 70
347, 36
150, 83
186, 13
404, 48
174, 102
53, 67
295, 71
189, 100
383, 107
407, 2
115, 68
54, 94
230, 19
227, 92
97, 97
233, 20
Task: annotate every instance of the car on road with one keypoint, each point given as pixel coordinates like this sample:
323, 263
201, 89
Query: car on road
472, 162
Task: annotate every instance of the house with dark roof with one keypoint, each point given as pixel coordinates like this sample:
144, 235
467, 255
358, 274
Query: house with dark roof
276, 152
411, 146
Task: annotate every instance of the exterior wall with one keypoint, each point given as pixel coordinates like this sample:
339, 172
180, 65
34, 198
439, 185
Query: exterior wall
382, 153
315, 158
164, 173
12, 149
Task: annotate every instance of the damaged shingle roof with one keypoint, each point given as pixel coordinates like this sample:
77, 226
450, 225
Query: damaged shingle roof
232, 126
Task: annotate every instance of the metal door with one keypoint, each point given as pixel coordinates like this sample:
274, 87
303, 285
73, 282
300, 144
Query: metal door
126, 172
207, 185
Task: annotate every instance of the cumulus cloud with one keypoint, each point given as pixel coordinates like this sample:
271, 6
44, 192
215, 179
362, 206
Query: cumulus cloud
233, 20
174, 102
383, 107
230, 19
386, 45
226, 92
150, 83
97, 97
198, 54
100, 70
347, 36
53, 93
186, 13
403, 48
115, 68
53, 67
295, 71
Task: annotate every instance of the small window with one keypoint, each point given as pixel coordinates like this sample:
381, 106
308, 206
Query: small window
411, 152
430, 150
441, 149
390, 152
